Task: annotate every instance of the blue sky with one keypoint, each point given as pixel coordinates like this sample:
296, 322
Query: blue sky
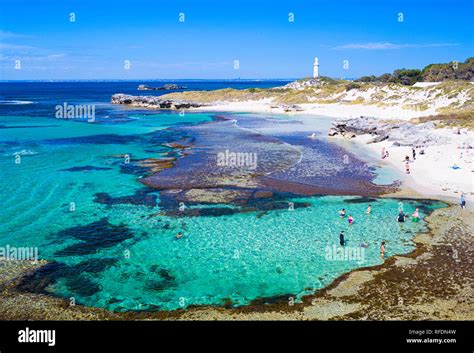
214, 34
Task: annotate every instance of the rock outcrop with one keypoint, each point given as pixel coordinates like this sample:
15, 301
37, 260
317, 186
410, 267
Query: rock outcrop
153, 102
402, 134
165, 87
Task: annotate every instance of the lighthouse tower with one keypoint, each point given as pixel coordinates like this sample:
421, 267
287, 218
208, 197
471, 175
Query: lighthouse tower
316, 68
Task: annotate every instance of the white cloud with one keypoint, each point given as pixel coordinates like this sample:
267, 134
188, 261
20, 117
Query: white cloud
9, 35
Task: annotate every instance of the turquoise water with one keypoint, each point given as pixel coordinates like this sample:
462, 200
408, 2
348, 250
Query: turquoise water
239, 257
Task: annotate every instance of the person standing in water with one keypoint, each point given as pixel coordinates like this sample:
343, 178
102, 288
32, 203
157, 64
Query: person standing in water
401, 217
382, 250
341, 238
416, 215
463, 201
342, 213
369, 209
350, 219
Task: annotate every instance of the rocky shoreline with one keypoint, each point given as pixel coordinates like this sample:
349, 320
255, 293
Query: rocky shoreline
152, 102
400, 133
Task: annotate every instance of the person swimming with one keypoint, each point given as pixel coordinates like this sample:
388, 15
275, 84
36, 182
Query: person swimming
342, 213
350, 219
341, 238
401, 217
179, 235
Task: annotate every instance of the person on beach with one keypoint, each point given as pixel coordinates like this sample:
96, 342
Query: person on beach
407, 168
342, 213
463, 201
383, 152
413, 152
341, 238
407, 158
401, 217
382, 250
416, 215
369, 209
386, 154
350, 219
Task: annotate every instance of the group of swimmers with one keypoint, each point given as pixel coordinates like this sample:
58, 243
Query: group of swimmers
415, 217
342, 241
400, 218
350, 219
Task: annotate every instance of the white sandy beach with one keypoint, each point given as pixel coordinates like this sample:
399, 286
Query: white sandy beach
432, 174
333, 110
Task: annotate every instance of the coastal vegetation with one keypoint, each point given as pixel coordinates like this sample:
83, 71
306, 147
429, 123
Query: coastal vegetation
444, 97
430, 73
463, 119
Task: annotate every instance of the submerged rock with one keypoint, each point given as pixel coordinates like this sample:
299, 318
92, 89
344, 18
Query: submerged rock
93, 237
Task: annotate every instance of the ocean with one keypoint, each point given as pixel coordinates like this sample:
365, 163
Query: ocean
75, 190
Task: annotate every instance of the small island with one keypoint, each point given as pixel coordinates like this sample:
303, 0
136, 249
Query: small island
165, 87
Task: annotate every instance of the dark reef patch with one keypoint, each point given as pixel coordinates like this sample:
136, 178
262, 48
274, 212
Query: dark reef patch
94, 236
141, 197
104, 139
277, 299
39, 280
360, 200
94, 265
165, 280
26, 126
43, 277
82, 286
255, 206
83, 168
134, 169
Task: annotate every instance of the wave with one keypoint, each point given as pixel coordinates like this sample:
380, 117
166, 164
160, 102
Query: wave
25, 153
16, 102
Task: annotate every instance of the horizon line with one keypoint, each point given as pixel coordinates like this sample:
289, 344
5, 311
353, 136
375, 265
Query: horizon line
171, 79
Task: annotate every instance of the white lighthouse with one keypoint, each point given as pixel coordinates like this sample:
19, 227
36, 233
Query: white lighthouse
316, 68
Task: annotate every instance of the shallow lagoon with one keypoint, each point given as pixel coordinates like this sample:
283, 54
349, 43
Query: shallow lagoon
123, 255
